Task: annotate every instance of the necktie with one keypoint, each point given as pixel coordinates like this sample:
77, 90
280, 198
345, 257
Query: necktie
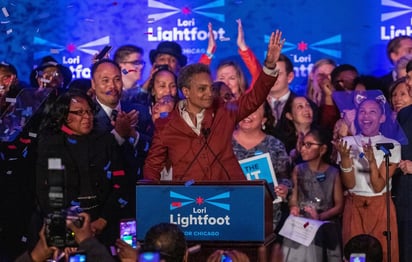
113, 115
277, 109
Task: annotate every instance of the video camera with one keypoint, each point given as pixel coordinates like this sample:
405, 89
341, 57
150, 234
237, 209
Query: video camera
57, 234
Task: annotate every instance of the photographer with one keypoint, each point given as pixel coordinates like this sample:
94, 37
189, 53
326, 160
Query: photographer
88, 244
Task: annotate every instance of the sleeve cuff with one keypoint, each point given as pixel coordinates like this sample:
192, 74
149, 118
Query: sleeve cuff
271, 72
120, 140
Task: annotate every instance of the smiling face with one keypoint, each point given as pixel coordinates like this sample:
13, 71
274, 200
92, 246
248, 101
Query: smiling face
254, 121
199, 95
301, 113
80, 116
228, 75
311, 148
401, 97
107, 83
370, 117
164, 84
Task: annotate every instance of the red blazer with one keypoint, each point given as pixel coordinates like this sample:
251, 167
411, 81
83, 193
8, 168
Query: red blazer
208, 156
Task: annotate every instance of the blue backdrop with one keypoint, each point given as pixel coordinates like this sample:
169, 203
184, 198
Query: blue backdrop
350, 31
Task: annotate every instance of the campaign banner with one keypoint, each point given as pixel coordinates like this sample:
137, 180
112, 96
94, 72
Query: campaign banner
204, 212
260, 167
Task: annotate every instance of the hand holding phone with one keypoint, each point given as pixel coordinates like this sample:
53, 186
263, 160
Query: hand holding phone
128, 231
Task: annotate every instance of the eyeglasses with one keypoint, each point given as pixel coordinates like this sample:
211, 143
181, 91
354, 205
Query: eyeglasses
81, 112
308, 145
136, 62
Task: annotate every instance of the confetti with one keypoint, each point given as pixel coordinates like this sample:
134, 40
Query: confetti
5, 12
189, 182
9, 31
54, 51
5, 22
223, 39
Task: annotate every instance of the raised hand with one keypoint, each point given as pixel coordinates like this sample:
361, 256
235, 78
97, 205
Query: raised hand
241, 43
211, 45
274, 48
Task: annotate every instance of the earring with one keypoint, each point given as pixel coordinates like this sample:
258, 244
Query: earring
263, 126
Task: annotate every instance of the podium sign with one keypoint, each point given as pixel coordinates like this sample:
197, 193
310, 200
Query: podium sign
207, 211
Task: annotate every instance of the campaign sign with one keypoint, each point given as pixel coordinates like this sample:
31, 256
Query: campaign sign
260, 167
205, 212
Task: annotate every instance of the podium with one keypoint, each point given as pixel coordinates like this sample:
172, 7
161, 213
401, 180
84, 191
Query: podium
215, 214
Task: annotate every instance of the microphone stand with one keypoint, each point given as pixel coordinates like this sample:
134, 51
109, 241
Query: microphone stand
387, 233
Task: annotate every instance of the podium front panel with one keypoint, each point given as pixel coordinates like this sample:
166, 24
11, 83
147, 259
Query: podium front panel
204, 212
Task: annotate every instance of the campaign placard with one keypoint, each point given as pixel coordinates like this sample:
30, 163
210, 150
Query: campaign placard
260, 167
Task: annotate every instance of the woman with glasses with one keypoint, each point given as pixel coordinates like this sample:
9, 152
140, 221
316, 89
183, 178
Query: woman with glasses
94, 178
363, 172
317, 194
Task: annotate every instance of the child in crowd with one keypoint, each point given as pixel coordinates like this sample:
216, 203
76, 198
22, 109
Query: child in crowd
317, 194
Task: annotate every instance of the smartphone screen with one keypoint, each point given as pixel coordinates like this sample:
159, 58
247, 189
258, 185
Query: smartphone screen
149, 257
77, 257
128, 231
357, 257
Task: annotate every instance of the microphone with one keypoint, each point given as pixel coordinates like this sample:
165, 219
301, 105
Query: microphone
385, 147
206, 133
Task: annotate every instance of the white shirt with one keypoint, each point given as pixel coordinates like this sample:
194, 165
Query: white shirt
363, 185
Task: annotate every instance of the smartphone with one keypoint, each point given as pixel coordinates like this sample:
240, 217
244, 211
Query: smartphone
128, 231
103, 53
357, 257
225, 258
77, 257
149, 257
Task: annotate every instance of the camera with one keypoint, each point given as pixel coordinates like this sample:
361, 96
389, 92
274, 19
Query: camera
57, 234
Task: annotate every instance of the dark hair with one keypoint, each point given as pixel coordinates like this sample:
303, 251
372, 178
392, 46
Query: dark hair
56, 116
394, 45
168, 239
395, 84
123, 51
187, 73
370, 82
81, 83
288, 63
409, 67
243, 85
8, 68
152, 81
324, 137
270, 118
364, 243
96, 65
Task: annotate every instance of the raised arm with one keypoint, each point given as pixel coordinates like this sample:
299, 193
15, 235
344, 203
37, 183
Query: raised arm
247, 55
206, 58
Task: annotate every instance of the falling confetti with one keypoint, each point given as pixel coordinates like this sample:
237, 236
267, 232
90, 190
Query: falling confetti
5, 12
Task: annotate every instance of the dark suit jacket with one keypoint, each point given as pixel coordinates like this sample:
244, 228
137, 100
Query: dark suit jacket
208, 156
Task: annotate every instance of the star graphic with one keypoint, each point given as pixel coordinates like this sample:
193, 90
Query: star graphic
186, 10
71, 47
302, 46
199, 200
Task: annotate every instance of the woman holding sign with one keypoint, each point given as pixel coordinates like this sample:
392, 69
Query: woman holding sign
249, 140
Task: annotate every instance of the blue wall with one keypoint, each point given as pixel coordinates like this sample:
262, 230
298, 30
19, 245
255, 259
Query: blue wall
350, 31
